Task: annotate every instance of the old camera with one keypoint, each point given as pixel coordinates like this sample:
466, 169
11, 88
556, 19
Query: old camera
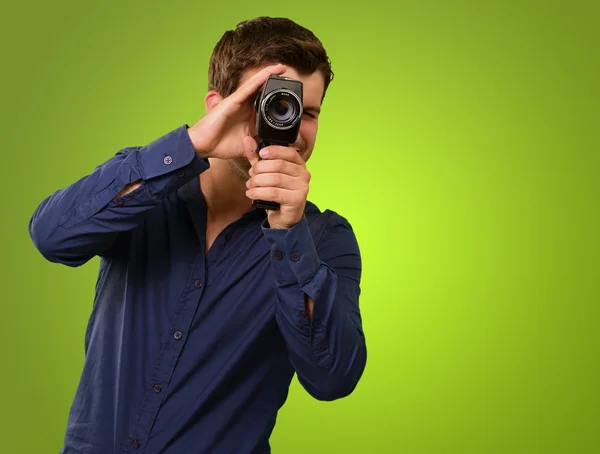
278, 115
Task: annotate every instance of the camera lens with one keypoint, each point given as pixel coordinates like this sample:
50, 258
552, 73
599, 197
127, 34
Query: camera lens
281, 110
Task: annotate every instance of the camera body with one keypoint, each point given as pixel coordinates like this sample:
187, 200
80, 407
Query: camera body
279, 111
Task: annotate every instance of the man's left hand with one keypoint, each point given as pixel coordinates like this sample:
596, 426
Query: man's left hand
281, 176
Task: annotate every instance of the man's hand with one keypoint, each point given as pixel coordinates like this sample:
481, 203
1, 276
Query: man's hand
281, 176
224, 131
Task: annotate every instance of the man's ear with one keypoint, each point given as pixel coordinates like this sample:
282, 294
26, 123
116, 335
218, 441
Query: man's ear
211, 99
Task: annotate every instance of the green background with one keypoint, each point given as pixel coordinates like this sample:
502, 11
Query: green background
459, 138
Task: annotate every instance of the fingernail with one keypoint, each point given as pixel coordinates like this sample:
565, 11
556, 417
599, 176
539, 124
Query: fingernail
264, 152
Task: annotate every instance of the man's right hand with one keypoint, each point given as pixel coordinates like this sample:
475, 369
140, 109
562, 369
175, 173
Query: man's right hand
224, 131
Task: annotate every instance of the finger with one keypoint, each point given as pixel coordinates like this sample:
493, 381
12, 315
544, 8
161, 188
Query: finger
276, 180
278, 152
252, 85
279, 195
277, 166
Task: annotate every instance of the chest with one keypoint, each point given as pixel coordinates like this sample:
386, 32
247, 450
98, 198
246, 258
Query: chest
217, 273
213, 230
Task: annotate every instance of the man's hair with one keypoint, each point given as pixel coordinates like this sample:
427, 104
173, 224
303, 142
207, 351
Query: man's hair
263, 41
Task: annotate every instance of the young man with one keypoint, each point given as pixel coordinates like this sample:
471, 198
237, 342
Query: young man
205, 306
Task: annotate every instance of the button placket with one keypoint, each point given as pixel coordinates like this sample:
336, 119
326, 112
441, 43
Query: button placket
169, 354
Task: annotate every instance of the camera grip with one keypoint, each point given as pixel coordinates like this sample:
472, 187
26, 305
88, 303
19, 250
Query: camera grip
264, 204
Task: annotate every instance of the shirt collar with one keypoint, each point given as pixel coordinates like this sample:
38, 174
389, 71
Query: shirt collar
191, 192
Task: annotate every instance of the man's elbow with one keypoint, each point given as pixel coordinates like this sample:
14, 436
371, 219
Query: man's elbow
332, 393
52, 247
336, 386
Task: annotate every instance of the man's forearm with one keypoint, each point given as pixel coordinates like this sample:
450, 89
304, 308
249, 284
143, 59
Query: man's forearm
317, 309
83, 219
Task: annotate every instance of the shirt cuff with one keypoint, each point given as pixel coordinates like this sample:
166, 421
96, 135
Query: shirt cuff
166, 154
293, 253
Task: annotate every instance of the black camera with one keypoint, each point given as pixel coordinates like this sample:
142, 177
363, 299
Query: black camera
278, 115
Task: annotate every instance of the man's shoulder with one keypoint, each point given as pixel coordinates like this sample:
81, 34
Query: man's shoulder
323, 220
331, 230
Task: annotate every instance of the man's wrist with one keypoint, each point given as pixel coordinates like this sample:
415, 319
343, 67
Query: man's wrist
202, 153
276, 227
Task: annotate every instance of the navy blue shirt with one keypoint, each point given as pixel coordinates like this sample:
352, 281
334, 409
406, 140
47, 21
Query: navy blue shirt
187, 352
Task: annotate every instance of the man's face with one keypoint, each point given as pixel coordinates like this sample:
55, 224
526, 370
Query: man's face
312, 91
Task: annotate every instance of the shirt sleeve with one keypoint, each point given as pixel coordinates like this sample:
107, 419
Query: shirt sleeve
83, 220
328, 351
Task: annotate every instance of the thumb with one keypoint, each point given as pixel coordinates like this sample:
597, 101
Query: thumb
250, 146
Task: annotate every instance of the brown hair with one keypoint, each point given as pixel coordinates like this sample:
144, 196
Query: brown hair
263, 41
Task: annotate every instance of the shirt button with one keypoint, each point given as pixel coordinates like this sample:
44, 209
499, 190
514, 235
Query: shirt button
278, 255
181, 173
198, 283
136, 444
120, 202
168, 160
177, 335
295, 256
157, 388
